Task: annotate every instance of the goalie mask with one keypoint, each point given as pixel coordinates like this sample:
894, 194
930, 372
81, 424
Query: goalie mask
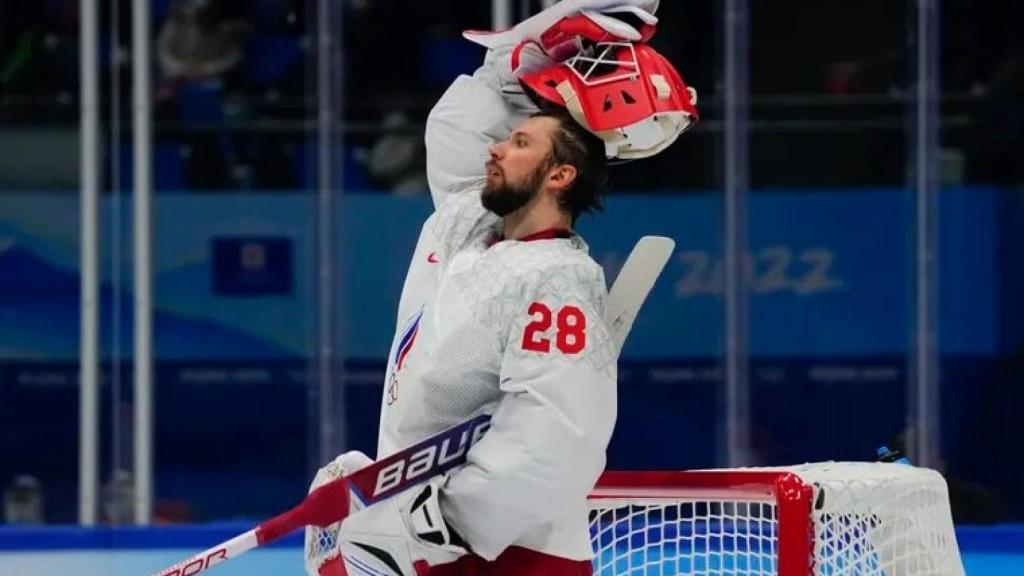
628, 95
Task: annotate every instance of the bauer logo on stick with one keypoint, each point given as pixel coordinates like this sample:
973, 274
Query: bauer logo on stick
417, 463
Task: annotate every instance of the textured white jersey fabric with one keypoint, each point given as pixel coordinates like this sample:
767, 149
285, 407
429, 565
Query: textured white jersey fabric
510, 328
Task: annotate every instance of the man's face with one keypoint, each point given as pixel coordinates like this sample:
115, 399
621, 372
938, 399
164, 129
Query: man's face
518, 166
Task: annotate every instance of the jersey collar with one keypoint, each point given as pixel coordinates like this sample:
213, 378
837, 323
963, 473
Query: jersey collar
548, 234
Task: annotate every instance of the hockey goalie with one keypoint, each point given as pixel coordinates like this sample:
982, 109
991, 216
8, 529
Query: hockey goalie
501, 311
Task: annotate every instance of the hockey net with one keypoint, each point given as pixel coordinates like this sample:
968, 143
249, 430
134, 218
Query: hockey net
850, 519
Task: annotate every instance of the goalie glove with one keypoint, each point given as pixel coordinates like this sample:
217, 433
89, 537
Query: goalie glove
321, 550
562, 18
401, 536
559, 32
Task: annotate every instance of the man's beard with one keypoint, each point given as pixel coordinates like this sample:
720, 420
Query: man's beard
505, 198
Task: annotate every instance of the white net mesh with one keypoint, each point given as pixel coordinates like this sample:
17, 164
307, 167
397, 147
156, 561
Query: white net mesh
867, 520
881, 519
683, 537
321, 543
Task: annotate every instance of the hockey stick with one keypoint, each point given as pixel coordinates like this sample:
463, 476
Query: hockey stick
438, 454
330, 503
634, 283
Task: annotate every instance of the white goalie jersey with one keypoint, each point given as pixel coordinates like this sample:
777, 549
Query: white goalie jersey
511, 328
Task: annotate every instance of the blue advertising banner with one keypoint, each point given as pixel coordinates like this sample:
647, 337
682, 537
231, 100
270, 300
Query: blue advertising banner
829, 273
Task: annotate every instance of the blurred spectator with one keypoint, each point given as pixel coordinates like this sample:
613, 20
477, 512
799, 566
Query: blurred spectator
199, 48
194, 43
397, 160
23, 501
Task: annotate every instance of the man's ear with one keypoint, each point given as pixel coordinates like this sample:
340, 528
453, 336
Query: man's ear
562, 176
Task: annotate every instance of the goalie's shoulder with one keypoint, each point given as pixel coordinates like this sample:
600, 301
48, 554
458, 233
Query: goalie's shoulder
559, 271
553, 306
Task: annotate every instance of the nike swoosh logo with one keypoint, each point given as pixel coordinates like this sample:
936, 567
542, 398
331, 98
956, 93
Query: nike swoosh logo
432, 258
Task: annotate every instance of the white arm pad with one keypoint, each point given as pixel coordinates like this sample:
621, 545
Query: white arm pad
475, 112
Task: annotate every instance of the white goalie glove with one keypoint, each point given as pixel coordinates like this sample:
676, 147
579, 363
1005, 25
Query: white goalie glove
402, 536
557, 33
321, 544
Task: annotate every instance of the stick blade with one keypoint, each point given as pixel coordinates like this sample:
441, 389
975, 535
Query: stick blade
634, 283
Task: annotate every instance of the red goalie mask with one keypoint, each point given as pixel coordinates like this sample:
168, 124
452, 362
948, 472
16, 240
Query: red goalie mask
627, 94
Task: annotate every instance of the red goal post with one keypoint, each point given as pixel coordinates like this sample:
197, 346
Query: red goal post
832, 518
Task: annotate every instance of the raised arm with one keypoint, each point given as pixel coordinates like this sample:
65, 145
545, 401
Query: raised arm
483, 108
474, 112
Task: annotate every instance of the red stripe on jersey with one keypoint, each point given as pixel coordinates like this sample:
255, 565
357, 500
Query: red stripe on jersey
548, 234
408, 348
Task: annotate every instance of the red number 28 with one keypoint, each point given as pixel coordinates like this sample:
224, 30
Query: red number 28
570, 337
